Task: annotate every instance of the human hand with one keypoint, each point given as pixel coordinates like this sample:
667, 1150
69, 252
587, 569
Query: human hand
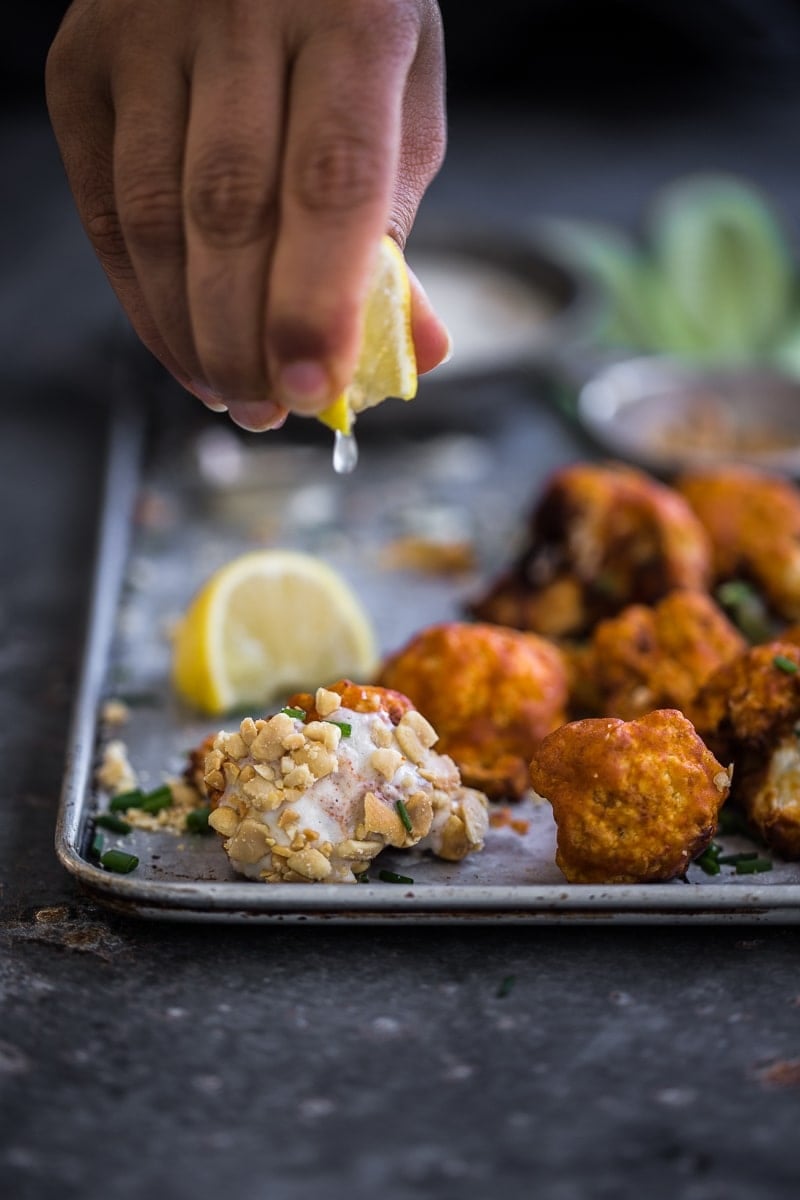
235, 165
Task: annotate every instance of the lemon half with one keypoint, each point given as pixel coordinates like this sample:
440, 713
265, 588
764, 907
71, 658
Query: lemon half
266, 623
386, 365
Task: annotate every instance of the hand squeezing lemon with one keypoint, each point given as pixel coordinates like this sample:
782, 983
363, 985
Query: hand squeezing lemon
267, 623
276, 620
386, 363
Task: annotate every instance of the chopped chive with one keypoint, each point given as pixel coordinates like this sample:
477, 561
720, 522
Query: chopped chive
746, 609
362, 878
119, 861
753, 866
298, 713
730, 820
110, 821
402, 813
343, 725
505, 986
785, 664
133, 799
708, 862
160, 798
392, 877
197, 820
730, 860
96, 847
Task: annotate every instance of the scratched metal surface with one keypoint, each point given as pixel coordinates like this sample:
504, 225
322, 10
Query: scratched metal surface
189, 504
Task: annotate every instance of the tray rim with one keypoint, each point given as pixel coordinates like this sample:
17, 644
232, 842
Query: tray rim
221, 900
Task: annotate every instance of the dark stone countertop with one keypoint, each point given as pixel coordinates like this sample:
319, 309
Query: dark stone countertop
195, 1061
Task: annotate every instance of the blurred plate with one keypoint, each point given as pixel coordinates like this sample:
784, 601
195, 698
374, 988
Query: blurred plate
668, 416
506, 301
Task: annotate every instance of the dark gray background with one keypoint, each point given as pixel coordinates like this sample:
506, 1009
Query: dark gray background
199, 1062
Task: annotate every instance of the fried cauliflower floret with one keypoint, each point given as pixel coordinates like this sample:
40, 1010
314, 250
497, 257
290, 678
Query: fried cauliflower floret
750, 710
749, 701
635, 801
601, 537
753, 521
314, 797
492, 694
195, 770
658, 657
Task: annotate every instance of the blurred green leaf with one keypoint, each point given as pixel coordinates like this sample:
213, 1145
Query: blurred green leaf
721, 249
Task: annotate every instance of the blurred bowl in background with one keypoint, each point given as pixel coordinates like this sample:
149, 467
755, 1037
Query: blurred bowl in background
506, 300
667, 416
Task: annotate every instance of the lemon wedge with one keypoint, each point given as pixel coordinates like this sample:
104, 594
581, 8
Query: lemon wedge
266, 623
386, 365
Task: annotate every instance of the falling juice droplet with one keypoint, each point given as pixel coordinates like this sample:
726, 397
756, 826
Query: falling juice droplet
345, 452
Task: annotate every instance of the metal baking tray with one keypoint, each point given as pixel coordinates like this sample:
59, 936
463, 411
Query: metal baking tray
191, 495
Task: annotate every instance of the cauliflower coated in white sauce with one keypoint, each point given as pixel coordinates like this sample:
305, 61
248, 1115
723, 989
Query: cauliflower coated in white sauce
315, 792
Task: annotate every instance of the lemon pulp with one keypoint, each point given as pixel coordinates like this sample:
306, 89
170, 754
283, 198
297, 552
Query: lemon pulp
386, 364
266, 623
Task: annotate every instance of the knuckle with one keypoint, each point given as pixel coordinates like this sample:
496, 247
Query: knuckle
429, 152
386, 23
229, 197
104, 228
339, 170
151, 216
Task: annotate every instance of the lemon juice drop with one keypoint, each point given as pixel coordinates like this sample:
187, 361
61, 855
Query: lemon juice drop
345, 452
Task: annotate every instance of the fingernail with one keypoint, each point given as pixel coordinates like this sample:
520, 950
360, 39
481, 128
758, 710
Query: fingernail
304, 386
204, 393
448, 354
256, 415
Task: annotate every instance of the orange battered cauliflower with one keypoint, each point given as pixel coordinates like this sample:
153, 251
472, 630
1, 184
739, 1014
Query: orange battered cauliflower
635, 801
753, 521
601, 537
658, 657
491, 693
749, 711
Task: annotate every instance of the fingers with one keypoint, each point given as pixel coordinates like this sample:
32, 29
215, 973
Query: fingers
339, 165
421, 155
236, 171
82, 116
232, 157
423, 129
150, 98
432, 344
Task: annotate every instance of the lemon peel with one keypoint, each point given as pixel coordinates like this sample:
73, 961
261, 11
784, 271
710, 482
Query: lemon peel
386, 365
268, 622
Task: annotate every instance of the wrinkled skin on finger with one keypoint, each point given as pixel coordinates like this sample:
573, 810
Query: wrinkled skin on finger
235, 165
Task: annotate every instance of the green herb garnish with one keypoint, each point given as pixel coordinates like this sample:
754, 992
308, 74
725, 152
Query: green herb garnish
126, 800
119, 862
392, 877
753, 866
363, 877
150, 802
197, 820
402, 813
745, 608
506, 985
731, 860
158, 799
298, 713
96, 848
785, 664
731, 820
708, 861
110, 821
343, 725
